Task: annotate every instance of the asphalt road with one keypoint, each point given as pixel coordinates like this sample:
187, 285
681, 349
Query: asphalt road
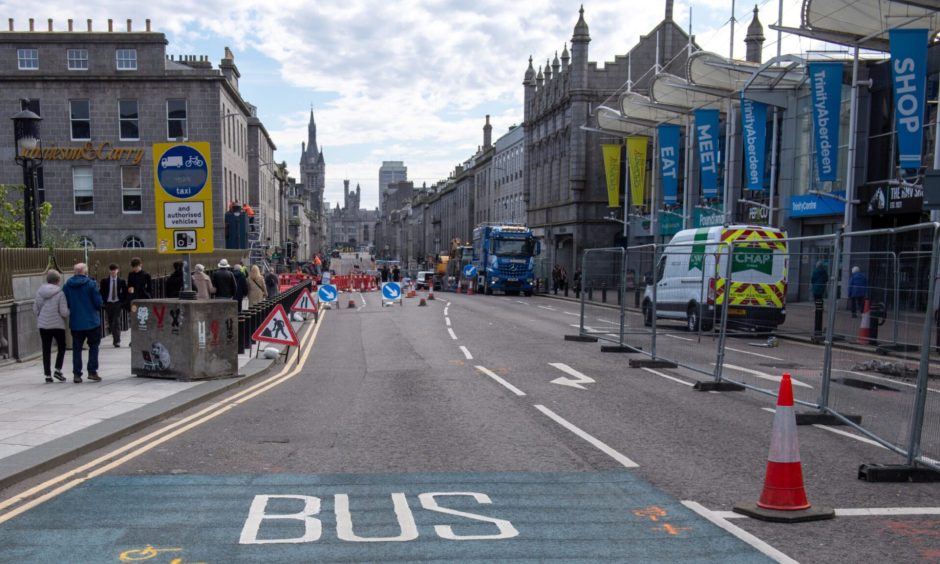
471, 430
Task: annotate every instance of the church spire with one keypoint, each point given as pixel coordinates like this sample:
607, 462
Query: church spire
312, 134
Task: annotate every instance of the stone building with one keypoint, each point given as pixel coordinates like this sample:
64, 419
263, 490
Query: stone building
105, 97
349, 225
508, 159
564, 185
310, 189
389, 173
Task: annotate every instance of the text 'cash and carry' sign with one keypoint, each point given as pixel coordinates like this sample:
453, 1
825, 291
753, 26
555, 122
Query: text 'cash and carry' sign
183, 197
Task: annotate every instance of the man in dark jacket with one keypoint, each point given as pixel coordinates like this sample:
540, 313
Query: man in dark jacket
114, 295
241, 284
85, 303
139, 285
224, 282
174, 282
818, 283
270, 282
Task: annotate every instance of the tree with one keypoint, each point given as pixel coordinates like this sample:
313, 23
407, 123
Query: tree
11, 215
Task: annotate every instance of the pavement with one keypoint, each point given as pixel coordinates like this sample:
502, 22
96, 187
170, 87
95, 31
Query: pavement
43, 425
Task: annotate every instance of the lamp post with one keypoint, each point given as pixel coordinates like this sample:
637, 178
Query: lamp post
29, 156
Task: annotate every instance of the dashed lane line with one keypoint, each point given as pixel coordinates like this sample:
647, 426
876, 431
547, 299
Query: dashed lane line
766, 376
500, 380
858, 438
753, 353
466, 352
452, 335
678, 337
745, 536
447, 321
623, 460
668, 377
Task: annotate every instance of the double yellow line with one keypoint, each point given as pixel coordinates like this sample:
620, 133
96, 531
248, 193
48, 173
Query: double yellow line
53, 487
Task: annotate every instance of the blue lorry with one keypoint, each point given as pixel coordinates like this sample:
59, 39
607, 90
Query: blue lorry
504, 257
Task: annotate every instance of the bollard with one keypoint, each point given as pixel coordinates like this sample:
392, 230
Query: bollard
636, 296
878, 317
241, 334
818, 320
590, 293
604, 292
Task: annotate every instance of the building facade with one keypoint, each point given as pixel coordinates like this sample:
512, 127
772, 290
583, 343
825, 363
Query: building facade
349, 225
508, 159
311, 188
390, 172
105, 97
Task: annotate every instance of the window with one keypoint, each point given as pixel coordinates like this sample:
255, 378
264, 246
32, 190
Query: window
176, 119
129, 120
126, 59
27, 59
78, 59
81, 119
133, 242
82, 189
86, 242
130, 189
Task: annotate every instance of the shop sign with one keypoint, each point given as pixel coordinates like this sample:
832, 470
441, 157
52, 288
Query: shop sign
811, 205
88, 152
884, 199
709, 217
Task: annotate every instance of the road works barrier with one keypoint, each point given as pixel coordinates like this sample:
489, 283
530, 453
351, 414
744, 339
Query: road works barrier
835, 379
251, 318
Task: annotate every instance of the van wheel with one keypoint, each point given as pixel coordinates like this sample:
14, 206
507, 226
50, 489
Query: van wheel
692, 321
647, 314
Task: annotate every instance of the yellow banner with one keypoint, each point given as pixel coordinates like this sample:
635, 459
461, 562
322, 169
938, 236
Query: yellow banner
612, 168
636, 160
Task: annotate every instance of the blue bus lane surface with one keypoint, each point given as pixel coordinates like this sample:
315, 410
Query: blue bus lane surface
189, 519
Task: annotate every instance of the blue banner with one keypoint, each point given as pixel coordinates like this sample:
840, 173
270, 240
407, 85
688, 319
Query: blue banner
811, 205
754, 128
826, 86
669, 162
706, 135
909, 72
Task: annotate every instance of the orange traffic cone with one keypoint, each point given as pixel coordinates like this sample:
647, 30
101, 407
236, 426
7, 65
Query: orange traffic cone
784, 497
470, 289
864, 330
423, 302
431, 292
352, 304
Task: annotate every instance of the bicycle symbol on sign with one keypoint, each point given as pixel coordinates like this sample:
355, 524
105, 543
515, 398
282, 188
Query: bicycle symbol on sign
194, 160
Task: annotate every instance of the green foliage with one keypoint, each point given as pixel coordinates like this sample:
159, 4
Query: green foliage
11, 215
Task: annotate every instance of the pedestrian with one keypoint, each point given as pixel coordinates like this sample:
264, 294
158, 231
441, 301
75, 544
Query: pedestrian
174, 282
556, 278
114, 295
577, 283
818, 281
224, 281
139, 284
202, 284
52, 310
256, 286
270, 282
858, 290
241, 284
384, 272
564, 280
84, 300
396, 274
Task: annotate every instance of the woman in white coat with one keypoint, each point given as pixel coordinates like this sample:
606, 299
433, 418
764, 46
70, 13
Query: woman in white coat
51, 311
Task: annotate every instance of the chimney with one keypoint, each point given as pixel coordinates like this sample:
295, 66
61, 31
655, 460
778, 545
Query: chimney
50, 24
669, 4
110, 24
10, 21
31, 24
70, 24
148, 24
128, 25
487, 134
89, 24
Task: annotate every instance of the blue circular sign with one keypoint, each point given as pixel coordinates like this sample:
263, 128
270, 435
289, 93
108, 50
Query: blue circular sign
182, 171
469, 271
391, 290
327, 293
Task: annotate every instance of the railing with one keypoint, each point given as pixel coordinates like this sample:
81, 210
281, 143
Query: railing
250, 319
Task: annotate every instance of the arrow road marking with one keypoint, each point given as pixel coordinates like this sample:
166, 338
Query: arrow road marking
576, 383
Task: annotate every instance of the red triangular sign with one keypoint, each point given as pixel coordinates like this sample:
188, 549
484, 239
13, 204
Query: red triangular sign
304, 302
276, 328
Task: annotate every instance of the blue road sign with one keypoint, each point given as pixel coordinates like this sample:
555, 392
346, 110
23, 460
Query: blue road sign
611, 516
469, 271
391, 291
327, 293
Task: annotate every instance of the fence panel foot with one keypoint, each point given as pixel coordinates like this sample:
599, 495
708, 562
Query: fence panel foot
896, 473
817, 418
651, 363
581, 338
621, 349
718, 387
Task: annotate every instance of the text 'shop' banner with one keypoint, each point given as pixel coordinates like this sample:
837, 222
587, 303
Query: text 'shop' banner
909, 72
706, 136
636, 160
669, 162
612, 170
754, 128
826, 88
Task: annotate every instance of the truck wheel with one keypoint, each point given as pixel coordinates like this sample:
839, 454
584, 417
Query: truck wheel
647, 314
692, 321
489, 291
528, 293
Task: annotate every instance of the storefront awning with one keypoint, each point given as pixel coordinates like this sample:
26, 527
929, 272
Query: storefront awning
609, 119
710, 70
675, 91
639, 107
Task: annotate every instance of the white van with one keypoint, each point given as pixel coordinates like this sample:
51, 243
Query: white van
690, 278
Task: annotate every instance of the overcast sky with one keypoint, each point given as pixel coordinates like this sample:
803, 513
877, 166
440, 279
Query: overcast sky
407, 80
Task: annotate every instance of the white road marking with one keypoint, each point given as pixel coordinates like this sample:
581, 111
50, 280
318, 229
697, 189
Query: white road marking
753, 353
858, 438
570, 313
588, 328
680, 338
610, 322
576, 383
498, 379
550, 308
623, 460
883, 379
856, 512
522, 302
447, 321
668, 377
466, 352
766, 376
745, 536
452, 335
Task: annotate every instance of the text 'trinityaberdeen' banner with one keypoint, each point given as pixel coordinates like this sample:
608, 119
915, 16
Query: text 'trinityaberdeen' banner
754, 127
826, 87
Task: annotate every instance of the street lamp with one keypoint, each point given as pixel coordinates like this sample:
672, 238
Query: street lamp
29, 156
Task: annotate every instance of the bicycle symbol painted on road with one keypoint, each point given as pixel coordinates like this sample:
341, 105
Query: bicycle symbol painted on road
149, 552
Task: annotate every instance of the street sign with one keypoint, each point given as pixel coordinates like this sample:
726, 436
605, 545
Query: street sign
327, 293
391, 291
276, 328
304, 303
469, 271
182, 180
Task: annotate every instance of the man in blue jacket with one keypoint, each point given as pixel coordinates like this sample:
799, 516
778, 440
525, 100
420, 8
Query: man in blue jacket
858, 290
85, 303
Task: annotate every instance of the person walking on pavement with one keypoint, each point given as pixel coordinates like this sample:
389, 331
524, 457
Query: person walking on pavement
256, 286
241, 284
224, 281
52, 310
202, 284
139, 284
84, 300
818, 281
858, 290
114, 294
270, 282
556, 278
174, 282
396, 274
577, 283
563, 277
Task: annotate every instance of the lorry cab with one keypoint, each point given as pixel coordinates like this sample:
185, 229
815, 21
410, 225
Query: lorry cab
691, 278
